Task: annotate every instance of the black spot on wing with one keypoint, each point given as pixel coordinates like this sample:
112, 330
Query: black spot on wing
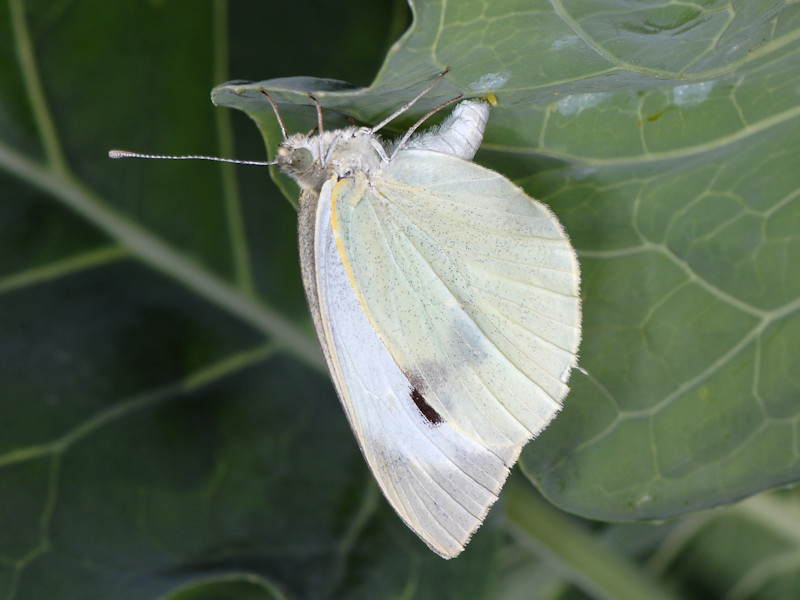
426, 409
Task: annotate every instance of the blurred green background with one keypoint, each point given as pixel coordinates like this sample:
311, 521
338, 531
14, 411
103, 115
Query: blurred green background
166, 426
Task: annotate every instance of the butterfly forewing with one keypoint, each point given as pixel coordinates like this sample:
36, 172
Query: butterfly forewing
472, 286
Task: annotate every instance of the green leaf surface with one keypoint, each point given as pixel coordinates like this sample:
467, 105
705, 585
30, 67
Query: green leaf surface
167, 429
664, 144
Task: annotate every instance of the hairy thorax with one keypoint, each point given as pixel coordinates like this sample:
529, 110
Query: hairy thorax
312, 160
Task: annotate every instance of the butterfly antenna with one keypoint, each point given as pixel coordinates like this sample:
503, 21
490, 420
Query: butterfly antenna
411, 102
276, 111
319, 130
319, 112
127, 154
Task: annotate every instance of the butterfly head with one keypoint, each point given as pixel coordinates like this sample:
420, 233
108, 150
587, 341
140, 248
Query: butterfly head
299, 157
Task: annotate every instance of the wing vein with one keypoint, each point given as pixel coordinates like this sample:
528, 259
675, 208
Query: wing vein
531, 310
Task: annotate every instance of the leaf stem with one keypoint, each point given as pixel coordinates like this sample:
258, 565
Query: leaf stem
597, 569
154, 252
54, 154
126, 406
230, 185
773, 511
79, 262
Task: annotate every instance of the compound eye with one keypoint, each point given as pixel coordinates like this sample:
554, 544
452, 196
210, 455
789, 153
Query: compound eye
302, 159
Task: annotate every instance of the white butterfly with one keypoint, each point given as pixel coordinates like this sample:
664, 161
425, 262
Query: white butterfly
446, 303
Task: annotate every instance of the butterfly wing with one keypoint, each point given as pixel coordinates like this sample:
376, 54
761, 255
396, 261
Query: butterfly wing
471, 285
440, 481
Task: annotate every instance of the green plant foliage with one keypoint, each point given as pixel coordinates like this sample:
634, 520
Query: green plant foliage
665, 148
167, 428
